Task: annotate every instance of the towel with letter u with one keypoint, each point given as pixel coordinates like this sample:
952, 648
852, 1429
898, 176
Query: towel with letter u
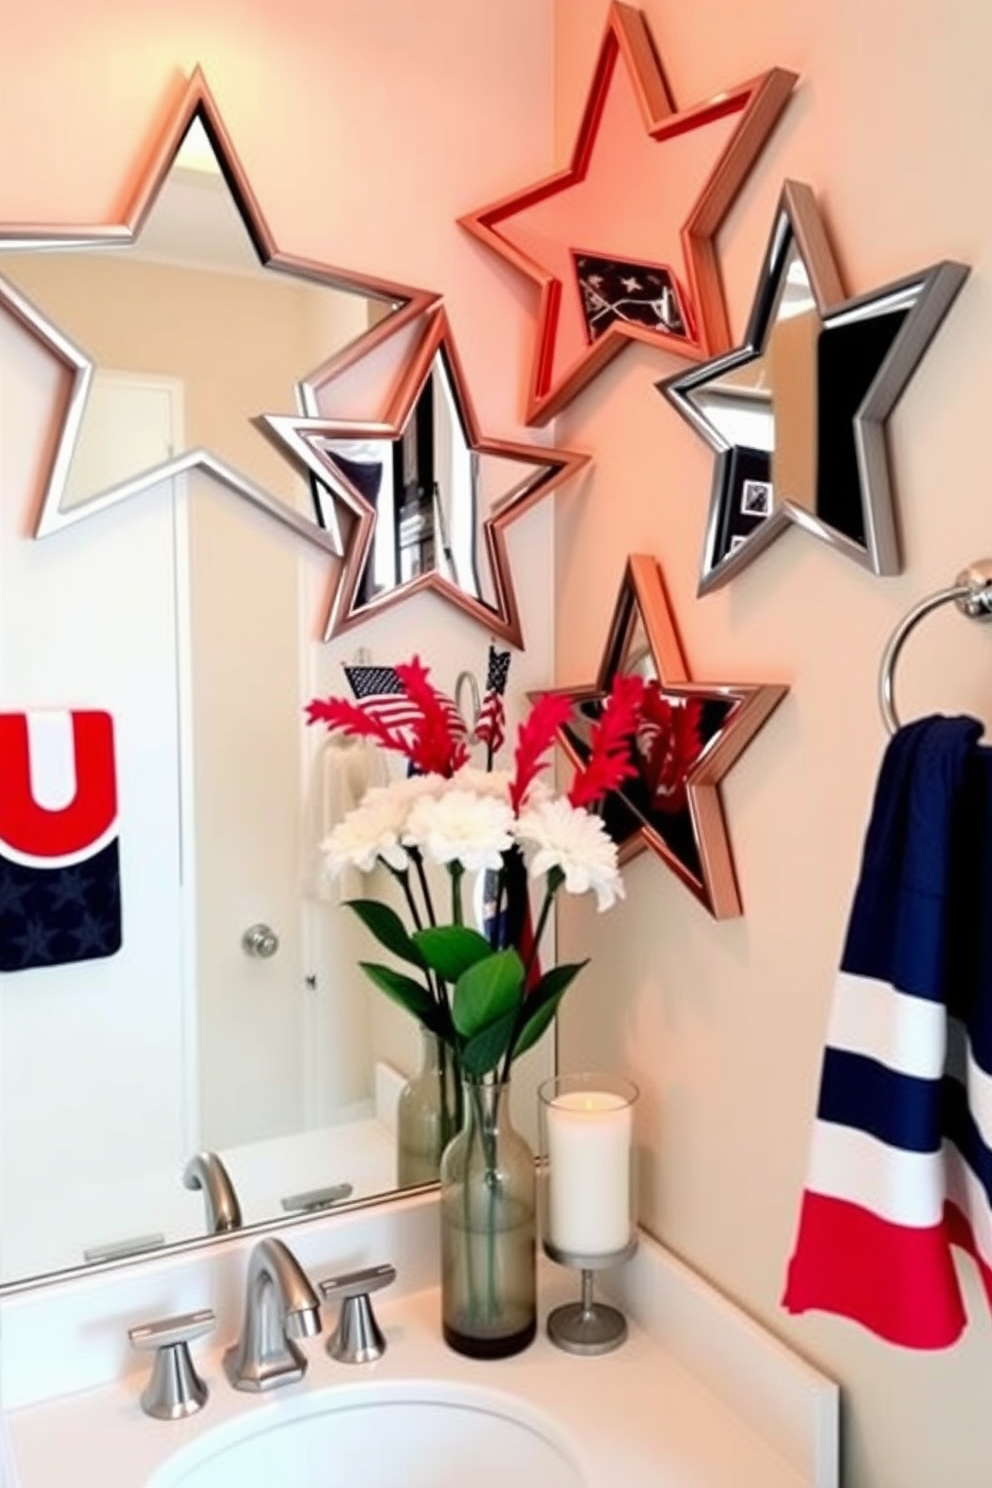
900, 1168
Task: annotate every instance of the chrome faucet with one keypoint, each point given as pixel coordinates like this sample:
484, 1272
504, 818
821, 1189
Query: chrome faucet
280, 1305
206, 1171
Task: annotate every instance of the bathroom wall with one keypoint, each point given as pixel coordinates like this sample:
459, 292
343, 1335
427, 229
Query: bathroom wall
722, 1023
364, 130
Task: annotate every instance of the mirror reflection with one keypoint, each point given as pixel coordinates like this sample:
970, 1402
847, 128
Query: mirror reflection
688, 736
190, 335
796, 414
232, 1039
431, 494
422, 499
678, 725
764, 413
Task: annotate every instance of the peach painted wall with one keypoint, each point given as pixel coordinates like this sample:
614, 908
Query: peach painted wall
722, 1023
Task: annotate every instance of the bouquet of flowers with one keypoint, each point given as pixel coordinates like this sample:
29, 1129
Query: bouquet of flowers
479, 990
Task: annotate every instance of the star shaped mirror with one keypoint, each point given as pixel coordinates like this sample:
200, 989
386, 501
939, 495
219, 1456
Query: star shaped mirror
689, 734
179, 324
797, 413
422, 498
621, 243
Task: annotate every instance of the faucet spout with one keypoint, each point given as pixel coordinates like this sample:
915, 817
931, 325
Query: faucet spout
206, 1171
280, 1305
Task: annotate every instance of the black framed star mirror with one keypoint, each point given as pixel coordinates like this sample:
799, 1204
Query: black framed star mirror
797, 414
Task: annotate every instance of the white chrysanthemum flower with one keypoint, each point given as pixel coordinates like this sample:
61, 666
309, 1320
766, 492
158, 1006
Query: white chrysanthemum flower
461, 827
483, 782
370, 832
408, 789
575, 842
497, 783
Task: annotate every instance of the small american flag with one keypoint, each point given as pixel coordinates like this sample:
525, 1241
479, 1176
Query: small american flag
380, 693
490, 724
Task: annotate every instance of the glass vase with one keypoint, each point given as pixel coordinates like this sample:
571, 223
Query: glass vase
488, 1248
428, 1114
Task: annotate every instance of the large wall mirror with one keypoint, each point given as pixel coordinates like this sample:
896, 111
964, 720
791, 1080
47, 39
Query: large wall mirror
194, 613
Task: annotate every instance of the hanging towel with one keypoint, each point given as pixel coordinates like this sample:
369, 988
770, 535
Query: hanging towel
901, 1161
343, 770
60, 894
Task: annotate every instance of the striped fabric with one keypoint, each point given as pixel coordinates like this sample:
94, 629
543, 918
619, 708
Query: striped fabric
380, 693
490, 726
901, 1162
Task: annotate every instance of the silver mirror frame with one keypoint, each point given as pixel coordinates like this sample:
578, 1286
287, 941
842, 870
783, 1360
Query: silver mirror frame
194, 100
926, 297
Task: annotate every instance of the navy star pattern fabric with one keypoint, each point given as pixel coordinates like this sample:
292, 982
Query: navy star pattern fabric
53, 915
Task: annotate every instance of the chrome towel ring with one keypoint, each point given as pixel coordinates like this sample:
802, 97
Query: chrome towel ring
971, 592
471, 713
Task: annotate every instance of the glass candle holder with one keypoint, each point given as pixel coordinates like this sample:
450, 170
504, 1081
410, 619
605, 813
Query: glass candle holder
588, 1203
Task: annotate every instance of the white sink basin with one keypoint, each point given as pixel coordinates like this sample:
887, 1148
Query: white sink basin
399, 1435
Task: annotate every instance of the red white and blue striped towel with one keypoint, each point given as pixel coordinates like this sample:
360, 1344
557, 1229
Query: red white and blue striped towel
901, 1162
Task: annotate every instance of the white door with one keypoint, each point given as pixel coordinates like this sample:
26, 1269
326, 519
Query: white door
130, 424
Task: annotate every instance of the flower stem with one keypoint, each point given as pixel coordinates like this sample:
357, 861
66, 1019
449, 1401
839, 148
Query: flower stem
402, 877
434, 984
457, 874
496, 937
542, 920
554, 882
418, 863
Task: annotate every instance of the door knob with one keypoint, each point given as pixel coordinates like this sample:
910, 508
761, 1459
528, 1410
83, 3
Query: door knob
260, 940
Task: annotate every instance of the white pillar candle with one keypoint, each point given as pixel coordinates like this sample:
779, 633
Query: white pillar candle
589, 1134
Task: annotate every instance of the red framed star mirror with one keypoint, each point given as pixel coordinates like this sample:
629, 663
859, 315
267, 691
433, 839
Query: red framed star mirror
689, 736
621, 243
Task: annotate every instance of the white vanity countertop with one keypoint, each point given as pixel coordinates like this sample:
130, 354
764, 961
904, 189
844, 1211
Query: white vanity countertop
699, 1396
634, 1418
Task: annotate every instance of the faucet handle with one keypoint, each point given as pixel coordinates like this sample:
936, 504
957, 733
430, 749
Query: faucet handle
175, 1389
357, 1339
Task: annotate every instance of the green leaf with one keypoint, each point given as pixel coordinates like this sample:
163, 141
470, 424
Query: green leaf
388, 929
484, 1052
486, 991
451, 949
404, 990
542, 1003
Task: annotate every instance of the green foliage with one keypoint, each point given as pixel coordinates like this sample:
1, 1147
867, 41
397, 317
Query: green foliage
388, 929
451, 949
487, 991
542, 1003
487, 1017
483, 1052
408, 993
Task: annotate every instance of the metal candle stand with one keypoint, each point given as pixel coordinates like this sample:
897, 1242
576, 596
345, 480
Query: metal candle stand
588, 1326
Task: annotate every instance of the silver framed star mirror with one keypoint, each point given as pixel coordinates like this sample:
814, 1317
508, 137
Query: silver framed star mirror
797, 413
181, 322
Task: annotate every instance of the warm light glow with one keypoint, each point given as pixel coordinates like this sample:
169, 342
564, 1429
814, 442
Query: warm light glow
589, 1137
196, 153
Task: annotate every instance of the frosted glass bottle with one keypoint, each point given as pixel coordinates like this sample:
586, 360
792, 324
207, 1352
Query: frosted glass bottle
488, 1245
428, 1114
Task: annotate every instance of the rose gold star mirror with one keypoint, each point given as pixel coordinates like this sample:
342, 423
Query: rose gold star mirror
621, 243
689, 735
181, 322
423, 499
